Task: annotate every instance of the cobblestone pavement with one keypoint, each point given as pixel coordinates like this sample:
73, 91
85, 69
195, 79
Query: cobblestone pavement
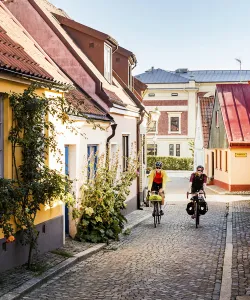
15, 277
241, 249
173, 261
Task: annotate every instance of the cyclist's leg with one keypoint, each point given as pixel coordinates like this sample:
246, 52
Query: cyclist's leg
162, 202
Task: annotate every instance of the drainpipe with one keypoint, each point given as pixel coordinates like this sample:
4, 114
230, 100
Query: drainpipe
113, 126
142, 113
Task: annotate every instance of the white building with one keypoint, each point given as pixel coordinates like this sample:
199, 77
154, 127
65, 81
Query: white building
176, 94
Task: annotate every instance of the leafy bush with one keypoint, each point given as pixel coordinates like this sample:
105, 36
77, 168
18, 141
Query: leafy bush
102, 201
171, 163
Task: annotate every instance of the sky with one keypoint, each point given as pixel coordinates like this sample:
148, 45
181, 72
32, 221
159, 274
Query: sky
172, 34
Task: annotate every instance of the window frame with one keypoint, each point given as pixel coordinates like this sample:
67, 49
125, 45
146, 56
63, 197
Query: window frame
174, 115
170, 150
179, 150
107, 74
91, 172
125, 151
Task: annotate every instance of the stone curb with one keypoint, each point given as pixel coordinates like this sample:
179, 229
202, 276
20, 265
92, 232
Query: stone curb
46, 276
226, 285
39, 280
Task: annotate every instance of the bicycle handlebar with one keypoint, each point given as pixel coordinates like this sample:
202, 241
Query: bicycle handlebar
196, 193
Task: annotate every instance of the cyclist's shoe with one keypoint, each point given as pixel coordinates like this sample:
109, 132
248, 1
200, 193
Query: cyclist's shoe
161, 212
193, 216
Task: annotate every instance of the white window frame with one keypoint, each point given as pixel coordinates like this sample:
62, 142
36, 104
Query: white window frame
108, 62
174, 115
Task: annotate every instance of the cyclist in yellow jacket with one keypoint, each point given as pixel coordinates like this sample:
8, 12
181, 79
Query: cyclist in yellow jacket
157, 181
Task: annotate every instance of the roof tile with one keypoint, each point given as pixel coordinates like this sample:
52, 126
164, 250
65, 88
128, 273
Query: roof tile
84, 104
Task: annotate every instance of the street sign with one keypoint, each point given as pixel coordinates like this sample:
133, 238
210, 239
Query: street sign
240, 154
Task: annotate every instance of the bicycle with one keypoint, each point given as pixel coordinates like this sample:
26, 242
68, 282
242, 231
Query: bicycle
156, 199
197, 207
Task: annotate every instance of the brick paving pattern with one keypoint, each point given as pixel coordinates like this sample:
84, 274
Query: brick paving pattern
13, 278
172, 261
241, 249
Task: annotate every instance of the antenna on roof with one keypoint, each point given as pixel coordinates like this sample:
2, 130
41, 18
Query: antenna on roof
239, 61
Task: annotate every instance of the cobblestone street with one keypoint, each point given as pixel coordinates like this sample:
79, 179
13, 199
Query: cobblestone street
172, 261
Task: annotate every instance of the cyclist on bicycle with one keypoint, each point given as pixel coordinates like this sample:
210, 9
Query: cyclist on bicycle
157, 182
197, 182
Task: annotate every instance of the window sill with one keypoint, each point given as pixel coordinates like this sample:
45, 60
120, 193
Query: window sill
174, 132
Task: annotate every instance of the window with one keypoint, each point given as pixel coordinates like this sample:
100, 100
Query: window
174, 94
107, 62
130, 78
171, 149
217, 119
220, 160
174, 124
1, 137
151, 149
152, 126
178, 149
92, 161
216, 159
125, 152
226, 167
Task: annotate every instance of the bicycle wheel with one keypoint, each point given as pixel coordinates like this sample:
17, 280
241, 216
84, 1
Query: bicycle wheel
159, 214
155, 213
197, 215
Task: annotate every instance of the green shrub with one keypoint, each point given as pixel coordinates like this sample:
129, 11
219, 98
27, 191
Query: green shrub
171, 163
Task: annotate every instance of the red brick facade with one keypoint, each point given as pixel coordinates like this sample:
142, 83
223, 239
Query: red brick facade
165, 102
163, 124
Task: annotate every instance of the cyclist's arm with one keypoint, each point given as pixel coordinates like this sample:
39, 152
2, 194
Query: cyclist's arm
190, 183
205, 183
150, 180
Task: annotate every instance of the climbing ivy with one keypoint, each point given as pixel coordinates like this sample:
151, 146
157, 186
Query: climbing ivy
34, 134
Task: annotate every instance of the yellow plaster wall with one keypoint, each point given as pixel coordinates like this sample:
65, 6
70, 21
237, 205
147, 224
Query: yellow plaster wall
8, 86
240, 166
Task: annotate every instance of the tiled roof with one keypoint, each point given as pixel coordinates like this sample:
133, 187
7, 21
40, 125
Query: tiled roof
234, 101
114, 98
206, 105
163, 76
83, 103
14, 58
20, 53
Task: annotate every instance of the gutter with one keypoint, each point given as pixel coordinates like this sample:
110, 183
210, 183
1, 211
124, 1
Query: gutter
138, 144
113, 126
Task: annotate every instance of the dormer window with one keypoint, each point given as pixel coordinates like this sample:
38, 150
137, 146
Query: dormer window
107, 62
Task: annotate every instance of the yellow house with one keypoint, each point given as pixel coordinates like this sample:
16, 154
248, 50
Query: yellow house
22, 62
228, 155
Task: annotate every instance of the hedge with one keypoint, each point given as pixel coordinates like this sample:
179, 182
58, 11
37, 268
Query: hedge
171, 163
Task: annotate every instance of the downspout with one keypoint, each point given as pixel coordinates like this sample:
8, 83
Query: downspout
142, 113
113, 126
